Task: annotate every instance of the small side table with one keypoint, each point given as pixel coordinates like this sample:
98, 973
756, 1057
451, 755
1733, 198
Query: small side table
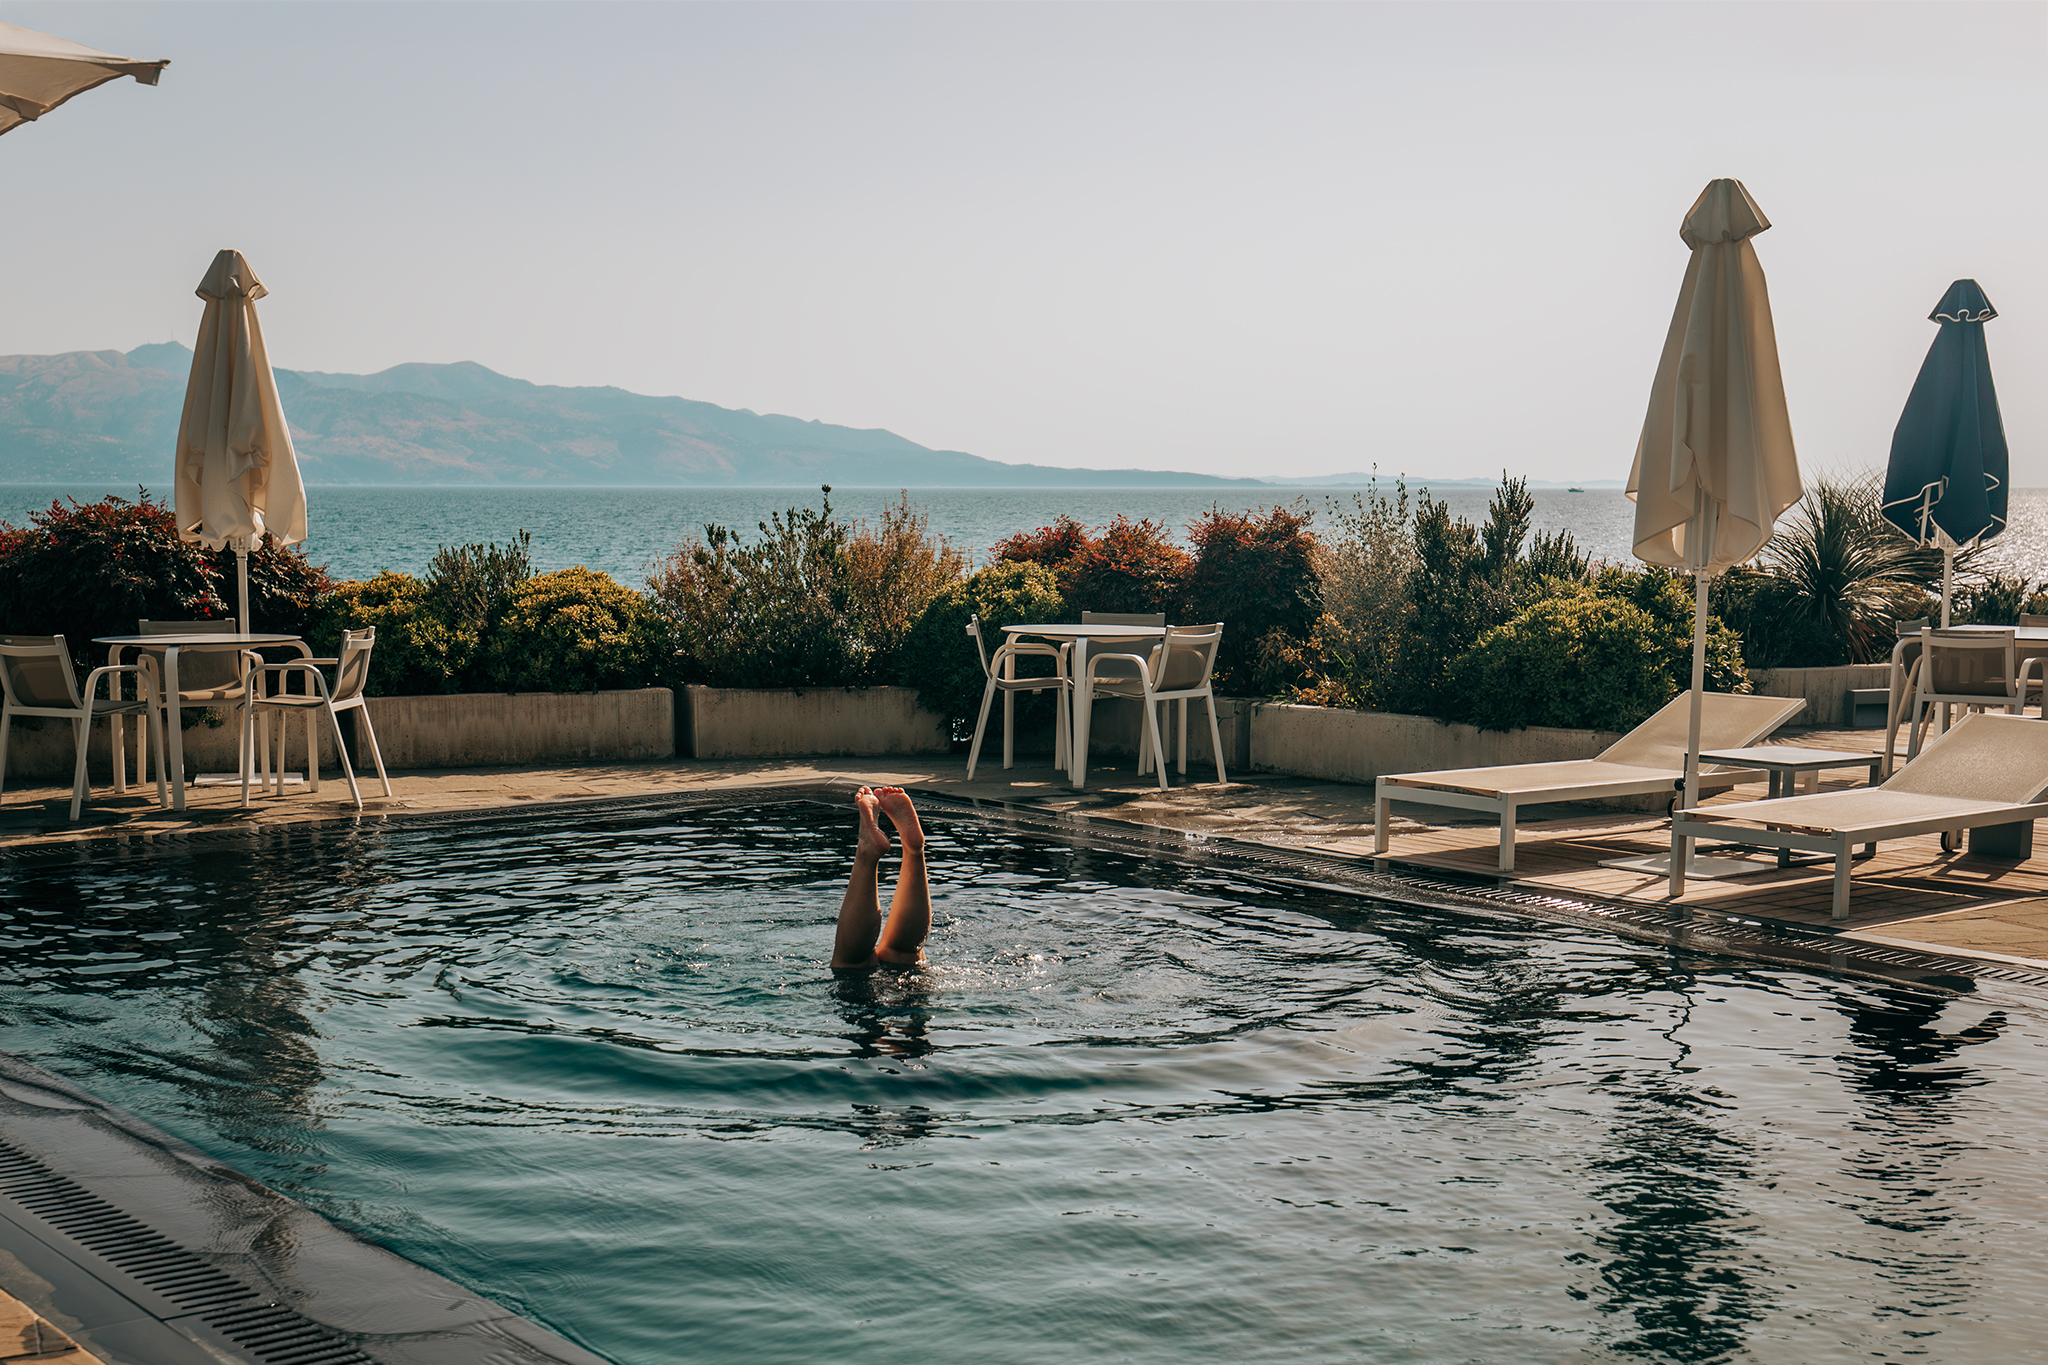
1784, 762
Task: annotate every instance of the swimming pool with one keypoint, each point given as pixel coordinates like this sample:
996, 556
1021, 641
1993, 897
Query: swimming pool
1145, 1105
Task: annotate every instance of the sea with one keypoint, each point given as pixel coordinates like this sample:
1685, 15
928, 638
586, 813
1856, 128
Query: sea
357, 532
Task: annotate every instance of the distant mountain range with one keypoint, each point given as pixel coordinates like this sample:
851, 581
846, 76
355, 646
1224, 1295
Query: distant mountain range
106, 417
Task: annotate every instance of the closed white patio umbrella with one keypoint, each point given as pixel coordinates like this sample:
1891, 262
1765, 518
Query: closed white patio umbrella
237, 476
1715, 467
38, 72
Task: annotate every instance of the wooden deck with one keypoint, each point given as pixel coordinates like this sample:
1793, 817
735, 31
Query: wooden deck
1910, 892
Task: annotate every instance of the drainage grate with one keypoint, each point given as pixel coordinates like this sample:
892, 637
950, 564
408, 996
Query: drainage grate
131, 1247
264, 1332
278, 1336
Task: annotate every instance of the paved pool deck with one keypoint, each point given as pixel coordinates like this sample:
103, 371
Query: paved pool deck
1912, 895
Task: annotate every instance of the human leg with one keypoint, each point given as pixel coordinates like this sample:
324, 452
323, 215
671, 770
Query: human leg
860, 912
910, 908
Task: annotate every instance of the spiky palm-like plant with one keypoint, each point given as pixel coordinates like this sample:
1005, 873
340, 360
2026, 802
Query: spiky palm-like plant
1843, 573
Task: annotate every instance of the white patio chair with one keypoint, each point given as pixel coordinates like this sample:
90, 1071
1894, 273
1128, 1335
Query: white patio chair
36, 676
1001, 672
1117, 666
1973, 668
211, 677
352, 672
1176, 669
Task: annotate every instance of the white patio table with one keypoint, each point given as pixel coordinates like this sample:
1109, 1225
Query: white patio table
1081, 637
2032, 643
168, 647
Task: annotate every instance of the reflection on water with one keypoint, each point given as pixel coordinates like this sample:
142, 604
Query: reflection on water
1133, 1109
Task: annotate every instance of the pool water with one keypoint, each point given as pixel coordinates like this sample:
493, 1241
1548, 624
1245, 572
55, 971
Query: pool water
1139, 1108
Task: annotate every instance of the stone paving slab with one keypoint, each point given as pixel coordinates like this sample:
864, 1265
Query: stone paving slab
1916, 895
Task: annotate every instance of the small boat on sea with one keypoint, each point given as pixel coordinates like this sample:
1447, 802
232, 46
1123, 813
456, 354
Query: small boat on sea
1574, 490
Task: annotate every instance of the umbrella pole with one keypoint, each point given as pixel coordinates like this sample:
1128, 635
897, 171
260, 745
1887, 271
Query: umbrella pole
242, 581
1699, 684
1948, 578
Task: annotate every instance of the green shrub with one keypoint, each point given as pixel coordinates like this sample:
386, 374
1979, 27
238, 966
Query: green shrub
1364, 565
472, 587
576, 631
1451, 602
770, 614
418, 653
1995, 599
1600, 656
939, 659
894, 569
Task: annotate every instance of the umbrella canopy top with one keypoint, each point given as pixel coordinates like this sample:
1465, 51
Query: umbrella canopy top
1964, 302
237, 476
1715, 465
1724, 212
1948, 473
38, 72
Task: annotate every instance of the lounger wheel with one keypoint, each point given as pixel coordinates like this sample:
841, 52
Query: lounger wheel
1951, 840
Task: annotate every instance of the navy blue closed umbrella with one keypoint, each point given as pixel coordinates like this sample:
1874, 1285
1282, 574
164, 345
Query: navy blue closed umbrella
1947, 480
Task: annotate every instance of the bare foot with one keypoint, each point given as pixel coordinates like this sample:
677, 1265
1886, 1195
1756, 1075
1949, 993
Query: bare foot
873, 843
895, 803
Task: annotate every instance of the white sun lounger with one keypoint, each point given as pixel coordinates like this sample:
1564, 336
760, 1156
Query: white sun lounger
1649, 759
1990, 770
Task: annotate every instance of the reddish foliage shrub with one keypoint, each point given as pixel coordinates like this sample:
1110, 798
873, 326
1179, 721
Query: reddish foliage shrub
92, 569
1058, 547
1131, 567
1256, 572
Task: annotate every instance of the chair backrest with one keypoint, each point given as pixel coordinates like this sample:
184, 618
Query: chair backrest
35, 671
1982, 758
1123, 618
980, 643
1967, 663
1910, 630
2032, 621
1186, 657
354, 672
1727, 721
200, 670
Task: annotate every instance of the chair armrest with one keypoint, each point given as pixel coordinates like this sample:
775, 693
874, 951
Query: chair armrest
92, 679
1144, 664
316, 688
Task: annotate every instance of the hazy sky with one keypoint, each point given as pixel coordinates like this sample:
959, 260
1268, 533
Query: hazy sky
1262, 239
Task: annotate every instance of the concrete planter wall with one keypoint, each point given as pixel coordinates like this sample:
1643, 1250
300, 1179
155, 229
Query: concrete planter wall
1116, 726
465, 730
1358, 746
746, 722
1826, 689
735, 722
478, 729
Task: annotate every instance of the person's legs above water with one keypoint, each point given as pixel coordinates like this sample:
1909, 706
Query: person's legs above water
910, 909
860, 912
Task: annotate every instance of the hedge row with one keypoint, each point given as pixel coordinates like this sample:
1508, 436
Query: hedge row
1392, 607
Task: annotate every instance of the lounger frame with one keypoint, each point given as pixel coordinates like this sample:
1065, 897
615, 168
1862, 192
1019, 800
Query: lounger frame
1503, 805
1618, 771
1732, 823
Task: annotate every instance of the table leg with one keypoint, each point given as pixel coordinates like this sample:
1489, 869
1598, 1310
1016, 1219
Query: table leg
1077, 733
174, 737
